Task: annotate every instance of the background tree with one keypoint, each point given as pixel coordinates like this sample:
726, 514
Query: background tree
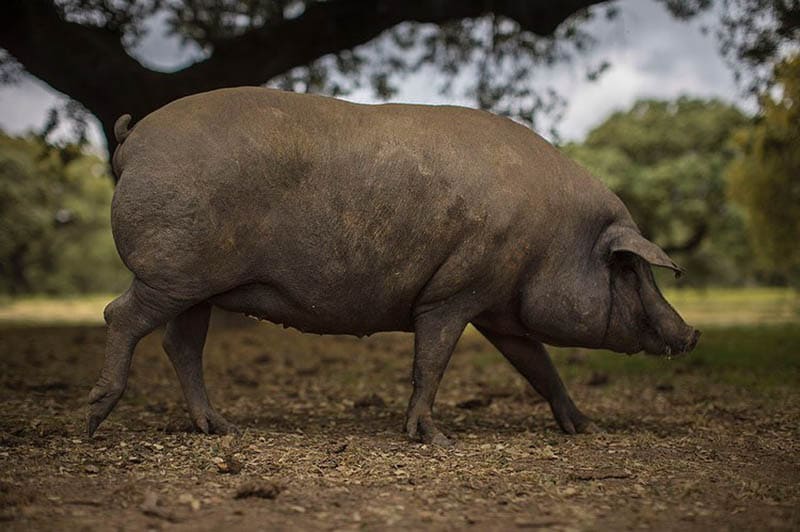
81, 47
765, 177
666, 161
55, 235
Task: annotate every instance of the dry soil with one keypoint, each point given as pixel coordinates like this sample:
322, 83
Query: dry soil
321, 446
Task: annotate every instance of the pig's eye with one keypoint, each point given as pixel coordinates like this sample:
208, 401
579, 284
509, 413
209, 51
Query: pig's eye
622, 260
623, 267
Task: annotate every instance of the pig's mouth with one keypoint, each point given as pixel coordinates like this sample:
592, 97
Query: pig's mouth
656, 344
690, 343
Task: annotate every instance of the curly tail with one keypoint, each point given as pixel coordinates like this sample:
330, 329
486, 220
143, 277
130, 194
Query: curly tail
121, 130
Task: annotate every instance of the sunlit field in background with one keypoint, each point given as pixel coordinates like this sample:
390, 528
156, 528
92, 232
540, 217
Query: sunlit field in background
750, 336
708, 307
720, 306
43, 310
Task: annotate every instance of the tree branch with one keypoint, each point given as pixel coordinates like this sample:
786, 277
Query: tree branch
88, 63
91, 65
328, 27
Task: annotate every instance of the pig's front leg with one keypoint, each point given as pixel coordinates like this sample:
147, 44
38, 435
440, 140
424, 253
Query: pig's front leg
435, 336
531, 359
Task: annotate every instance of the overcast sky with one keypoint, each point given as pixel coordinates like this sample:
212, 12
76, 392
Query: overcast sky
651, 54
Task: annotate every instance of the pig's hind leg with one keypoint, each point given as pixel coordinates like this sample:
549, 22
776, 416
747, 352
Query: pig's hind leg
130, 317
183, 342
435, 337
531, 359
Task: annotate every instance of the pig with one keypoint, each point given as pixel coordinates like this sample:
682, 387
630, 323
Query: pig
338, 218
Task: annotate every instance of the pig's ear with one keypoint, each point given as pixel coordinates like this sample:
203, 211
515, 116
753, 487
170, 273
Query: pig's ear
626, 239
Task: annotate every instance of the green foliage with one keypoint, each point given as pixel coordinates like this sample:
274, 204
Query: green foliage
765, 177
55, 234
666, 161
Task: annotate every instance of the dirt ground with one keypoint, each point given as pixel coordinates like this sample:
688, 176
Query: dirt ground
321, 446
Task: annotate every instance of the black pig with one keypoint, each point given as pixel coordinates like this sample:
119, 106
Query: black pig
340, 218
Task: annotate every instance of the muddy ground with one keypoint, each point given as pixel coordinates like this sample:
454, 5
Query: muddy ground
321, 446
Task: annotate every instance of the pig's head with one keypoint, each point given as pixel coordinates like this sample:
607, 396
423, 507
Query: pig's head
606, 297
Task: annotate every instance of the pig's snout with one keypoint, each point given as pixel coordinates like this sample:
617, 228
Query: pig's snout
691, 342
685, 345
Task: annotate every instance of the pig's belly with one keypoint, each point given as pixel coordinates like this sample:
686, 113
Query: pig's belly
334, 314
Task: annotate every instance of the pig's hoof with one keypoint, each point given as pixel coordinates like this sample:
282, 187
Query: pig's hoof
571, 420
210, 422
439, 440
101, 401
423, 429
435, 437
586, 426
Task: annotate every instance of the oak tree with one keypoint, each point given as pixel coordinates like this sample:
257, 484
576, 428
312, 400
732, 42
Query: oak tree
82, 48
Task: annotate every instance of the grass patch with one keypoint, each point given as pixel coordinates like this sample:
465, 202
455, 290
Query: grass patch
47, 310
759, 356
736, 306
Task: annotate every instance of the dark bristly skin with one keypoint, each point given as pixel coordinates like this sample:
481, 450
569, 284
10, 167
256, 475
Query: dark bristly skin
340, 218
